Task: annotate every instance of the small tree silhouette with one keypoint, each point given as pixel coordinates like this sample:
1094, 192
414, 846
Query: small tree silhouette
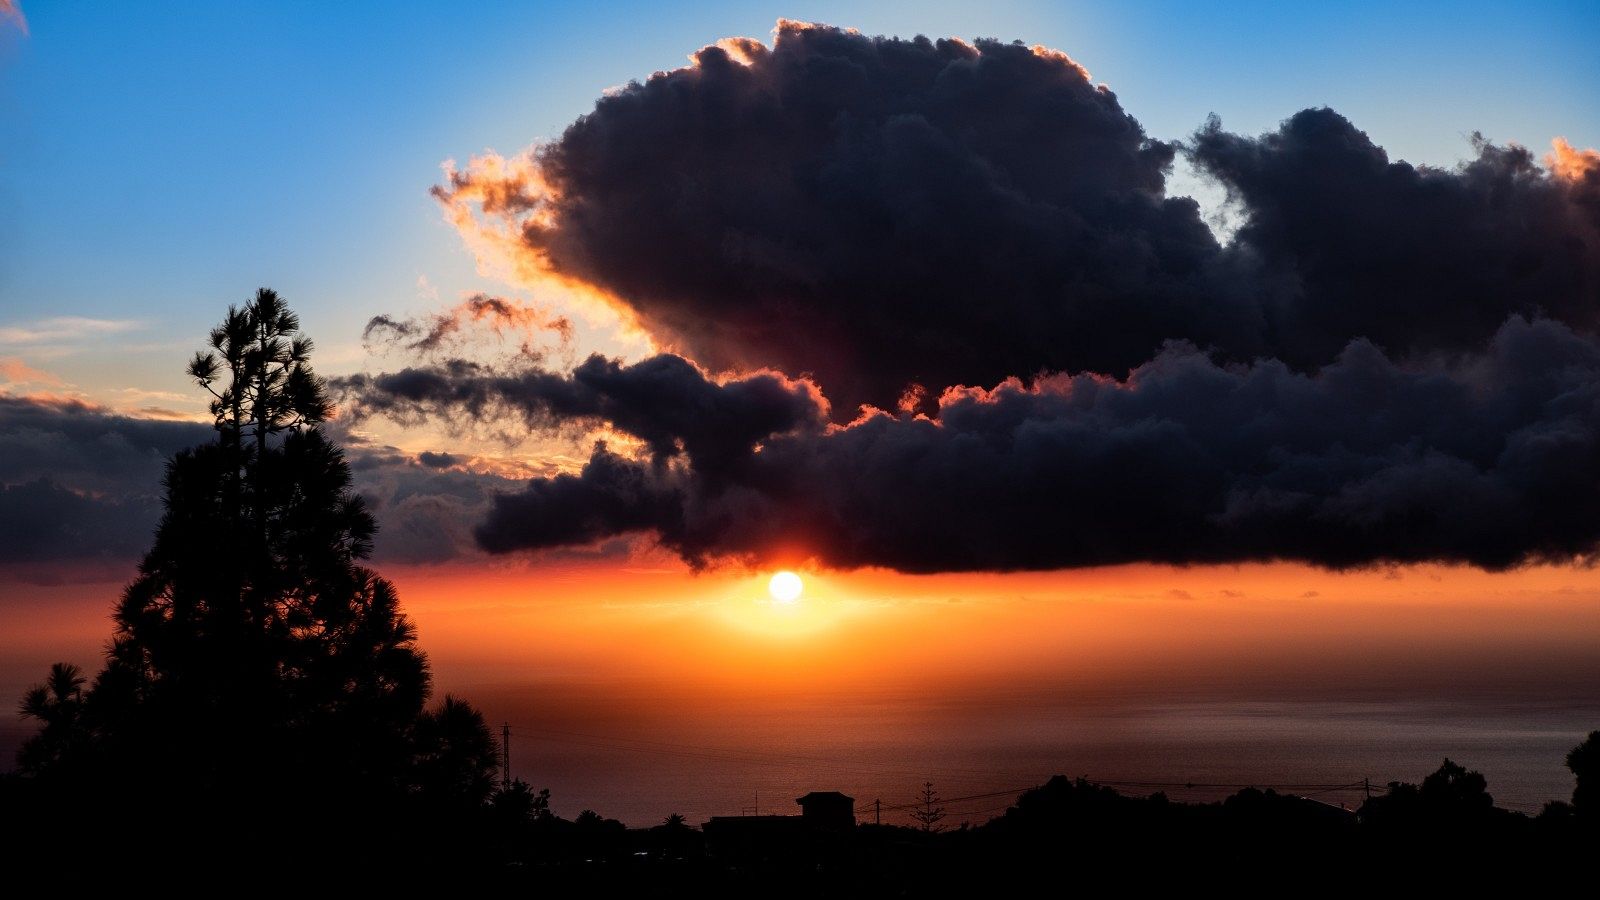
1584, 762
456, 754
927, 814
1456, 789
519, 804
58, 705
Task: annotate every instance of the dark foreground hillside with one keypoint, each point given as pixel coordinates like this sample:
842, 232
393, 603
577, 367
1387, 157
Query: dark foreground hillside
1444, 832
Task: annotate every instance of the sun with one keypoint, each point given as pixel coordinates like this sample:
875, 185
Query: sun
785, 587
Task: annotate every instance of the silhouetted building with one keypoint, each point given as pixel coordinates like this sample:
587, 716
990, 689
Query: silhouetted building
823, 813
829, 810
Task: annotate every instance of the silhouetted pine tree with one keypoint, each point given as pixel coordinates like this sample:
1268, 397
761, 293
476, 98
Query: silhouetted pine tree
255, 660
927, 813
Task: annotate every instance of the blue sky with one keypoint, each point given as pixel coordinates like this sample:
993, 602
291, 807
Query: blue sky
160, 160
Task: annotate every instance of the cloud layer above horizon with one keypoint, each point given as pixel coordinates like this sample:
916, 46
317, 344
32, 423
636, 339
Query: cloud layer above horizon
81, 484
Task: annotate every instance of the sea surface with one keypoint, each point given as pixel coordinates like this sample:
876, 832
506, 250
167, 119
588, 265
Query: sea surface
730, 758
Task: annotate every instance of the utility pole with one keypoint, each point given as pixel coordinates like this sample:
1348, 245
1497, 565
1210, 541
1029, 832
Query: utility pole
505, 756
1366, 785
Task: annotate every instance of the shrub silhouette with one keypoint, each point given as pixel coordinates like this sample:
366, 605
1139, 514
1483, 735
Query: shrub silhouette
456, 757
58, 705
1584, 763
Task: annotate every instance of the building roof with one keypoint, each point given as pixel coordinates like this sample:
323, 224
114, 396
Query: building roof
823, 795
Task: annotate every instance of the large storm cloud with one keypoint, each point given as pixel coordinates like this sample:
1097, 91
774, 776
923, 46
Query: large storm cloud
1351, 244
1387, 363
80, 483
874, 212
878, 212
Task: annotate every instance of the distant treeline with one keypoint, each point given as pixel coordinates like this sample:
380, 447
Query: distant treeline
1443, 832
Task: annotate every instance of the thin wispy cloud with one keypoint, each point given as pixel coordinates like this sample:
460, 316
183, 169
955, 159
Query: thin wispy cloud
11, 11
14, 371
64, 329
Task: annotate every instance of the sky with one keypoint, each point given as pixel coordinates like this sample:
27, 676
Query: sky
292, 145
1362, 479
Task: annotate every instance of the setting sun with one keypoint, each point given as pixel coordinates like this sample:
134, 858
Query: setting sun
785, 587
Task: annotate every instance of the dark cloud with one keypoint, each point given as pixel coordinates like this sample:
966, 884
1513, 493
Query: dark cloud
426, 504
438, 460
43, 521
612, 496
878, 212
87, 447
79, 483
680, 417
665, 401
1486, 459
1346, 243
875, 212
1387, 363
426, 335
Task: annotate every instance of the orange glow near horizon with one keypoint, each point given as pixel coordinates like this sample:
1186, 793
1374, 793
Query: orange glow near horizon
1268, 625
645, 648
1264, 627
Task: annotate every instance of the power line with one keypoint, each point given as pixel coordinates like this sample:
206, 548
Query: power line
1313, 789
1238, 786
726, 754
989, 796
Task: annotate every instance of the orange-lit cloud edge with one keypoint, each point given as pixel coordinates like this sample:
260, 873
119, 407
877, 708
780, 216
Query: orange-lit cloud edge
1571, 164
